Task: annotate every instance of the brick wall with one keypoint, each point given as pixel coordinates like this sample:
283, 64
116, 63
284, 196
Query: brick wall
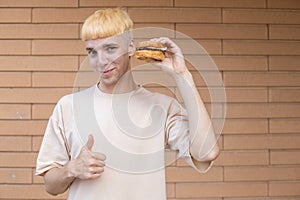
255, 44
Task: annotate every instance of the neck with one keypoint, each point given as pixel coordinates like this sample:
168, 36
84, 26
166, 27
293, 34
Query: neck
125, 84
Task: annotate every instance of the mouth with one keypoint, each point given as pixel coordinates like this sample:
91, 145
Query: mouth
107, 71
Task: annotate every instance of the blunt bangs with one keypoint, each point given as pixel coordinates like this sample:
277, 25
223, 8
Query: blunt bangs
106, 23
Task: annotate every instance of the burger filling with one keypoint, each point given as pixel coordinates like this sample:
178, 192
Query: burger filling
163, 49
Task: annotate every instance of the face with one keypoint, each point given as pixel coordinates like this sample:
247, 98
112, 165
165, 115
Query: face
110, 57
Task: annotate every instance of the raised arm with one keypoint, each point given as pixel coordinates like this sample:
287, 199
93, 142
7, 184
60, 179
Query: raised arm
203, 142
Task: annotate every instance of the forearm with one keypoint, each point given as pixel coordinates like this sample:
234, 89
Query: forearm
58, 180
203, 142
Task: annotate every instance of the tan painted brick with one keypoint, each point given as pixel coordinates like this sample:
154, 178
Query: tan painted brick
238, 158
210, 47
284, 110
262, 110
284, 188
27, 192
154, 77
209, 103
170, 190
15, 143
15, 47
146, 31
261, 173
42, 111
38, 31
284, 95
15, 176
267, 141
240, 63
66, 79
58, 47
165, 15
168, 27
285, 157
199, 199
170, 158
188, 174
140, 65
15, 15
245, 142
291, 63
263, 198
242, 126
223, 31
14, 128
36, 143
261, 79
199, 47
284, 32
217, 109
263, 47
39, 3
15, 111
17, 159
293, 4
37, 179
284, 141
135, 3
63, 15
226, 63
39, 63
246, 94
207, 78
15, 79
285, 125
33, 95
158, 77
213, 95
195, 190
53, 79
261, 16
223, 3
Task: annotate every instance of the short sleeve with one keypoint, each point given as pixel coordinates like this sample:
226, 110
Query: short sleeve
53, 151
177, 134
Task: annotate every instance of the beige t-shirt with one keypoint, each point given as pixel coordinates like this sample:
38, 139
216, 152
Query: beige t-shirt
132, 129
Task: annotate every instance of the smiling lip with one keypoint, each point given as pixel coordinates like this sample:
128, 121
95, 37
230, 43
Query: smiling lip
109, 70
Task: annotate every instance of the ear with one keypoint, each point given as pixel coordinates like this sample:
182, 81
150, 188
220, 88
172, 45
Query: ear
131, 48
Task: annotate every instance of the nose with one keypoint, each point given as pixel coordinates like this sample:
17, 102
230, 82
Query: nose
102, 60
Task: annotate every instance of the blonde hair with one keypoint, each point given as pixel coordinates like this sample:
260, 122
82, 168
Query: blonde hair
106, 23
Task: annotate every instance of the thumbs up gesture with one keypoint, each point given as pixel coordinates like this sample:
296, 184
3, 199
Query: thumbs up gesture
89, 164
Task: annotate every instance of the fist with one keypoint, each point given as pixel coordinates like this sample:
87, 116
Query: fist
89, 164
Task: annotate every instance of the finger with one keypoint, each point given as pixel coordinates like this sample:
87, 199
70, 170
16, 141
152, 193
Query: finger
90, 142
94, 176
99, 156
164, 40
96, 170
96, 163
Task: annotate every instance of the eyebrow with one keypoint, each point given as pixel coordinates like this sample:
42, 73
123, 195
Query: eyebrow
104, 46
89, 49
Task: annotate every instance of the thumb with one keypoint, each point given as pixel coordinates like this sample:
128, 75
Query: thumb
90, 143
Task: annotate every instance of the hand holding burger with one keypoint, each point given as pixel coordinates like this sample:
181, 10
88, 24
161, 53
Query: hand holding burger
163, 50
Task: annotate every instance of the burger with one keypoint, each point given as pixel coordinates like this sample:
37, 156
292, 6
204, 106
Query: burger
150, 50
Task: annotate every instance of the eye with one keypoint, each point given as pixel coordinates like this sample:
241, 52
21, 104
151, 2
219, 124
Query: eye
111, 49
92, 52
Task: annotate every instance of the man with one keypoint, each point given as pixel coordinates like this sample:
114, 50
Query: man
111, 164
